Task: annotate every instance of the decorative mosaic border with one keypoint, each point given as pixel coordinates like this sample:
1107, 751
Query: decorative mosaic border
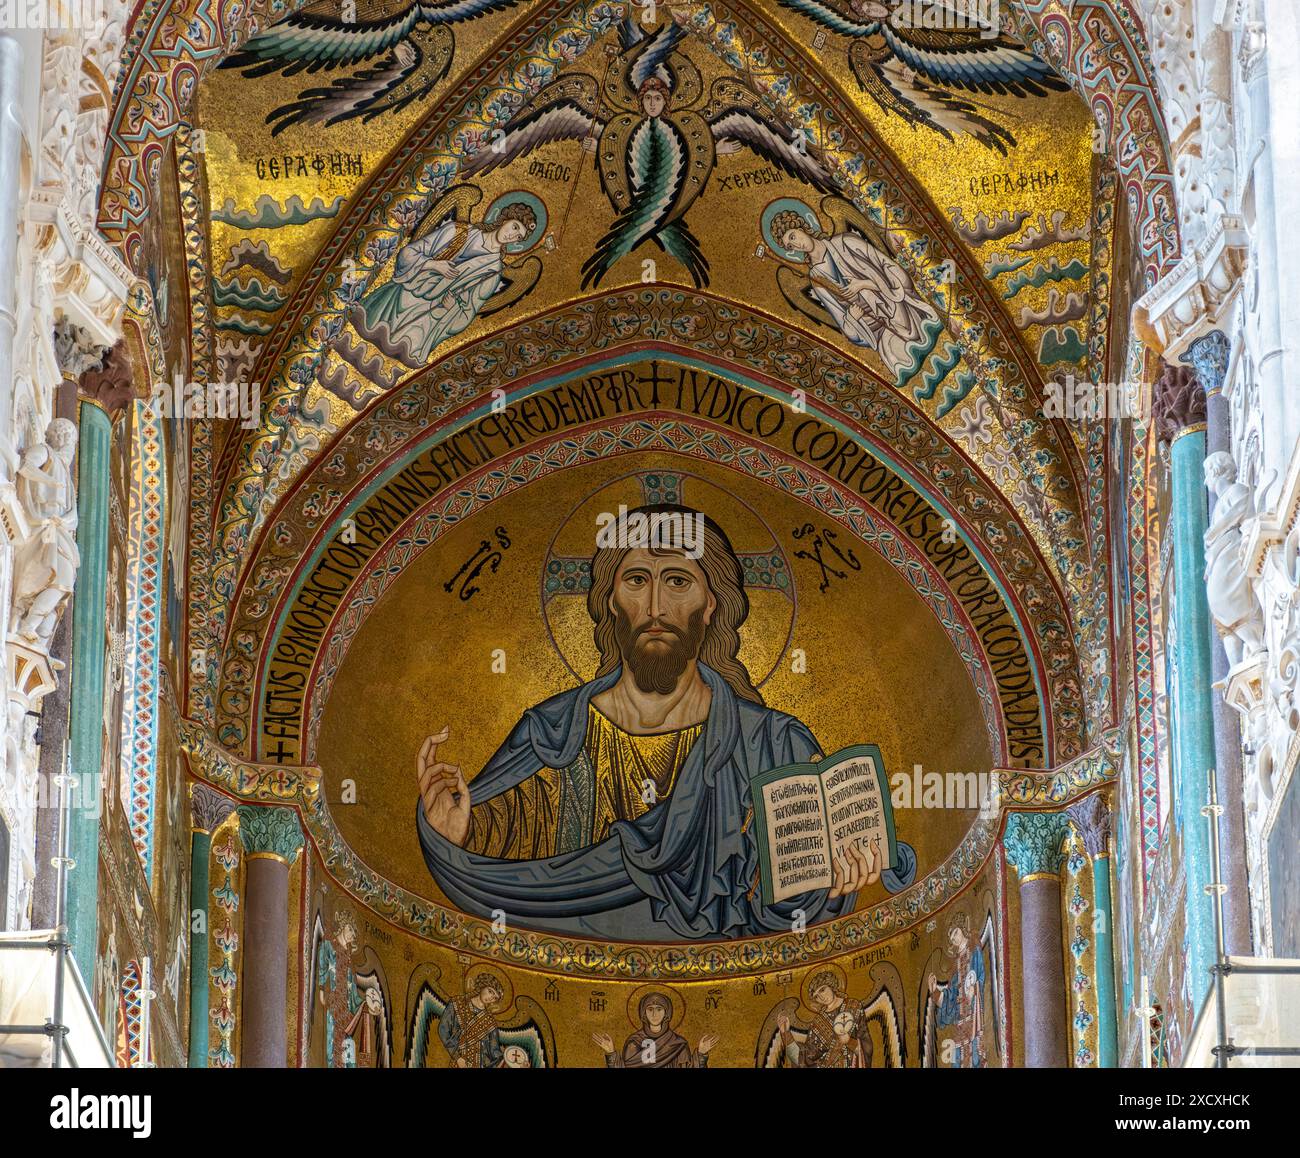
223, 978
145, 599
727, 339
1077, 890
1100, 47
1140, 485
1048, 466
1097, 627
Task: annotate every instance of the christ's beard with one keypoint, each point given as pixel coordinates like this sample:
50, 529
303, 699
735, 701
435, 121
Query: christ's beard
657, 669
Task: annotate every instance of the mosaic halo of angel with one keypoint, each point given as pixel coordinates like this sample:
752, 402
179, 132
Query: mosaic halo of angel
654, 150
391, 54
843, 277
453, 270
911, 70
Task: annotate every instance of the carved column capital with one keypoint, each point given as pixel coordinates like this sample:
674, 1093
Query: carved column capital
109, 384
76, 350
209, 807
1178, 403
1208, 355
1091, 817
1034, 843
273, 832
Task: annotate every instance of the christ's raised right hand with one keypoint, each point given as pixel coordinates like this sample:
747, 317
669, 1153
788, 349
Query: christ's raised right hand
444, 795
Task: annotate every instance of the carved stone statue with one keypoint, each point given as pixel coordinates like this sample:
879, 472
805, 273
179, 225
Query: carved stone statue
1229, 588
46, 564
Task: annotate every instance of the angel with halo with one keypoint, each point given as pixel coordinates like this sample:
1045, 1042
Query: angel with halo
844, 277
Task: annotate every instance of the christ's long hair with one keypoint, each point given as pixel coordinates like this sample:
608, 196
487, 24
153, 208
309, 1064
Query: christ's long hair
722, 571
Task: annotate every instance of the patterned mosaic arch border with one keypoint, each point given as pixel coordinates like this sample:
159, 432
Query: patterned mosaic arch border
201, 45
375, 447
700, 440
752, 48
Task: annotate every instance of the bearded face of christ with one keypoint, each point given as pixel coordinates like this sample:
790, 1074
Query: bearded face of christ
662, 604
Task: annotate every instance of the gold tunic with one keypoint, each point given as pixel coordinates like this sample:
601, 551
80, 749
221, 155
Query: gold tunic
628, 775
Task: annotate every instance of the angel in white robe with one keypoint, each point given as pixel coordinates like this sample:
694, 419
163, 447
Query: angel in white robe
867, 294
440, 283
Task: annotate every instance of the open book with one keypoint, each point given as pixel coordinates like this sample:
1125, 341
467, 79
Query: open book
807, 814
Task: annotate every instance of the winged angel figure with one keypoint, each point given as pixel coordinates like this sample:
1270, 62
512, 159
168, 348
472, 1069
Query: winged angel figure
828, 1029
393, 55
910, 70
654, 150
470, 1025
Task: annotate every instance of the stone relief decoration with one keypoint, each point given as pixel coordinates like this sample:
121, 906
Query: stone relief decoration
46, 565
1230, 587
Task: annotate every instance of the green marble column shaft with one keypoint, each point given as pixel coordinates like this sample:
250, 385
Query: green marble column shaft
1195, 707
1179, 410
86, 712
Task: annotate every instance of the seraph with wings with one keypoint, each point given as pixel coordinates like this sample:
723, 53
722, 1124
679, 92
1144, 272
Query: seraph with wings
791, 1039
526, 1043
390, 54
912, 71
654, 148
961, 1017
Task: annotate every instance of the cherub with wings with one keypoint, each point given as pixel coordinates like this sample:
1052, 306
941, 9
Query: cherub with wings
655, 151
960, 1016
394, 53
470, 1025
844, 277
911, 70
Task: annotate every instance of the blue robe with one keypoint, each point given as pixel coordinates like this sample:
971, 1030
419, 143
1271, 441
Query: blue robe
682, 871
950, 1010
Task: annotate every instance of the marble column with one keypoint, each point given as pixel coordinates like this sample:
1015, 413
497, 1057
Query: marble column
1091, 817
104, 380
272, 838
77, 355
208, 809
1209, 357
1033, 843
1179, 412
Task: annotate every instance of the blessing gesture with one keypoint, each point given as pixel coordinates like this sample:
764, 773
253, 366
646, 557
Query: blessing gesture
444, 795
